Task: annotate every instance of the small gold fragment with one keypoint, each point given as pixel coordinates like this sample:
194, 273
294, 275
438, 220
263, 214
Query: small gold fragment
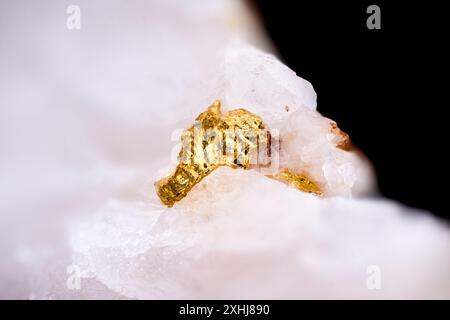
216, 139
297, 180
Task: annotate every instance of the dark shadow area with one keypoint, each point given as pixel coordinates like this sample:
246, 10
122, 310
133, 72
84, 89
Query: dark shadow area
385, 87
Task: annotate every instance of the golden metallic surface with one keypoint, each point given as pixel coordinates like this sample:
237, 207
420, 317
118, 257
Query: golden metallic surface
297, 180
216, 139
238, 139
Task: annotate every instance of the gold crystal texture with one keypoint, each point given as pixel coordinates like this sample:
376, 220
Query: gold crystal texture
297, 180
237, 139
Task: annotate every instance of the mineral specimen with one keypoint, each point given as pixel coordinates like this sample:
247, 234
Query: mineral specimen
88, 210
307, 150
238, 139
232, 139
238, 234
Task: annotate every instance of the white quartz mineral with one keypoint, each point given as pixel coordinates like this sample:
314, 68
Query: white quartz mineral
91, 118
309, 142
239, 234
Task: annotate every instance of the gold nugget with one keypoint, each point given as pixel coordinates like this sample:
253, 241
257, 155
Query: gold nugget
238, 139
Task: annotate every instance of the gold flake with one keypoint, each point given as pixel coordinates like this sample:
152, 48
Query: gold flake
298, 180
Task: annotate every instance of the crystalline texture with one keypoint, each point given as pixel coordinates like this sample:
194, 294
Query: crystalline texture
77, 184
237, 139
238, 234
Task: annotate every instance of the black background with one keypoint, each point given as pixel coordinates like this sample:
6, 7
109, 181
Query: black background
386, 88
279, 309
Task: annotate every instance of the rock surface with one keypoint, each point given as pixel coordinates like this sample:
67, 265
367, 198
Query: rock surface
88, 122
240, 235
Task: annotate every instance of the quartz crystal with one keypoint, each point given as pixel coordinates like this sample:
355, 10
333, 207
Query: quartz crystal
237, 234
